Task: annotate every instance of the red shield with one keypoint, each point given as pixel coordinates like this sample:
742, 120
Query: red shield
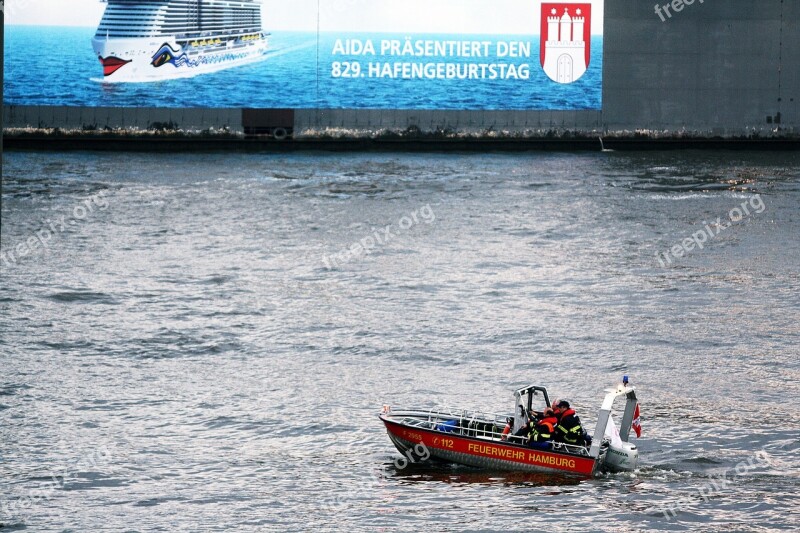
566, 29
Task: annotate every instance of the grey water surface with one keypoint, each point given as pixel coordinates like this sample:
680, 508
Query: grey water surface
201, 342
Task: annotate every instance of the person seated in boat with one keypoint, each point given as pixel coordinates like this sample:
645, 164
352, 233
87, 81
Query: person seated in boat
538, 427
569, 429
542, 429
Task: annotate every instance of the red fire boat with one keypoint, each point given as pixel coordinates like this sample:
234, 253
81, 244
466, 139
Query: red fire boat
476, 439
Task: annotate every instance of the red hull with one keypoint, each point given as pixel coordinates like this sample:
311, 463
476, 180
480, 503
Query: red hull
482, 453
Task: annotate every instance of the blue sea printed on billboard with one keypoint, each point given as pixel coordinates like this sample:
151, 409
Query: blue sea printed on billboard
353, 54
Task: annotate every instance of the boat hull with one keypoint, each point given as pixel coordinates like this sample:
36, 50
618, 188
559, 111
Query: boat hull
159, 58
484, 453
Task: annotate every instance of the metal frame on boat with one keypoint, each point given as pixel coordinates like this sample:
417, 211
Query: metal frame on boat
476, 439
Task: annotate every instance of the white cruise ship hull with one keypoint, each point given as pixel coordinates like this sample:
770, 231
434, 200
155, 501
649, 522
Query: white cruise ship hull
163, 58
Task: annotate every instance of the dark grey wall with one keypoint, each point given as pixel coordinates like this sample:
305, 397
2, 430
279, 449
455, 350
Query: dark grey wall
790, 73
482, 122
130, 118
720, 67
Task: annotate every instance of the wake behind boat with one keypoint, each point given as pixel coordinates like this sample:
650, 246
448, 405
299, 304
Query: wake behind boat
477, 439
150, 40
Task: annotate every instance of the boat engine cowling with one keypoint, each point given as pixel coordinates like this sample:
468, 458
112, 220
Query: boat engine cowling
624, 458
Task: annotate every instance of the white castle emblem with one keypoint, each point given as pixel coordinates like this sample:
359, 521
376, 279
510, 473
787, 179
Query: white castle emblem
565, 48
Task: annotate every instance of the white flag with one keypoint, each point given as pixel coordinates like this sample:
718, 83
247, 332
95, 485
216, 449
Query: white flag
612, 433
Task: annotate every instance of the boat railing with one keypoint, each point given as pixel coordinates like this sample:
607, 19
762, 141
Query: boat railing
444, 414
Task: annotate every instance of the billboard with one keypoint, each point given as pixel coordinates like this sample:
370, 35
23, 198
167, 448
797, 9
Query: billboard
335, 54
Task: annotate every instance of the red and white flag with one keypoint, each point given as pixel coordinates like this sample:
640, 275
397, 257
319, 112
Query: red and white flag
637, 425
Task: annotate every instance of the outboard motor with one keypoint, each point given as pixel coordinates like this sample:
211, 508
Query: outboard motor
624, 458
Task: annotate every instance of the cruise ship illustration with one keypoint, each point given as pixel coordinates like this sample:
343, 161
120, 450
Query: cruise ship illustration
151, 40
